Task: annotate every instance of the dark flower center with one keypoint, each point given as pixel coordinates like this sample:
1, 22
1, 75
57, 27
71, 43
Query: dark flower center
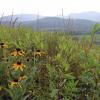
28, 59
15, 80
19, 63
18, 49
22, 75
2, 44
37, 50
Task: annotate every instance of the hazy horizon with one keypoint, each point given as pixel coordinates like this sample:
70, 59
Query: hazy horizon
48, 7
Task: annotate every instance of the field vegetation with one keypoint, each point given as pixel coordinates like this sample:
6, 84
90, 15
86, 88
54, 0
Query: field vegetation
36, 65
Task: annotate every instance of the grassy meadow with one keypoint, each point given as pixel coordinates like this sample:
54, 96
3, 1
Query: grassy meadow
48, 66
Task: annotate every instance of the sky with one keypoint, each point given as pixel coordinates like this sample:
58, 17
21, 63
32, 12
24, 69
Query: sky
48, 7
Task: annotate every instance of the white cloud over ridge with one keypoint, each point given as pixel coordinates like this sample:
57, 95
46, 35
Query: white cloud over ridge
48, 7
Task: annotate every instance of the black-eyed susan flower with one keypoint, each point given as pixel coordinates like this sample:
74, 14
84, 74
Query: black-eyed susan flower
18, 52
18, 66
3, 45
13, 83
39, 53
22, 77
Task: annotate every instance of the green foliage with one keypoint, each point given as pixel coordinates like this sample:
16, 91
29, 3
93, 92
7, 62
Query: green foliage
57, 67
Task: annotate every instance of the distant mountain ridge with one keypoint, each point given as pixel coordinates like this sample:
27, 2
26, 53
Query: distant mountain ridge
81, 22
21, 17
93, 16
59, 24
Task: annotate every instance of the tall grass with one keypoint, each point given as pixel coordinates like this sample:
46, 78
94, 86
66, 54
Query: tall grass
57, 67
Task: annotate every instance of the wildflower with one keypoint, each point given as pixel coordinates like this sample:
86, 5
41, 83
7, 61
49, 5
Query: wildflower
39, 53
14, 82
3, 45
22, 77
17, 52
18, 65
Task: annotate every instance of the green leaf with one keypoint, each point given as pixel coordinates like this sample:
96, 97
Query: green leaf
53, 93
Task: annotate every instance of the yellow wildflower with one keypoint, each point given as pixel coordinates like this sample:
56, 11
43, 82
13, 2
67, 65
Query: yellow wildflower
14, 83
18, 52
39, 53
18, 65
3, 45
22, 78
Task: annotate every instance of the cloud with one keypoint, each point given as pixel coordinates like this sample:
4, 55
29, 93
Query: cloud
48, 7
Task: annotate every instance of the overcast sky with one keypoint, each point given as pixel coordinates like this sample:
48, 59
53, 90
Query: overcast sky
48, 7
